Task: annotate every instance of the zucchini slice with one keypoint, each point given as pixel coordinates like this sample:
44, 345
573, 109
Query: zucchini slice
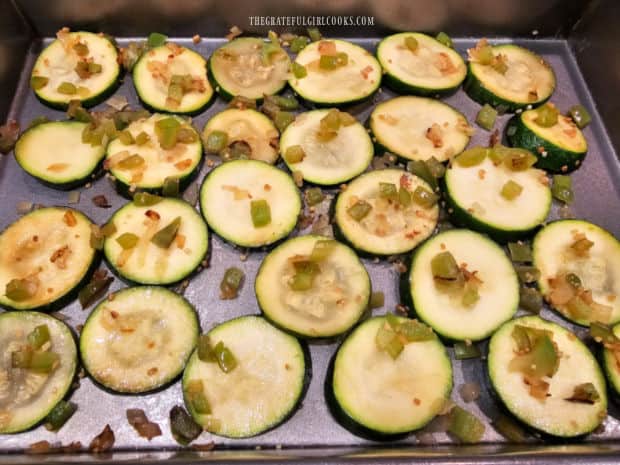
476, 300
611, 366
255, 131
312, 295
240, 68
389, 396
260, 392
159, 255
347, 83
140, 340
44, 258
172, 79
154, 163
54, 154
592, 256
527, 81
417, 128
330, 162
560, 148
552, 414
45, 368
55, 77
389, 226
474, 195
250, 203
415, 63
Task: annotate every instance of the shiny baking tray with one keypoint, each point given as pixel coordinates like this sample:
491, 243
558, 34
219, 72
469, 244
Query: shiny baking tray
311, 435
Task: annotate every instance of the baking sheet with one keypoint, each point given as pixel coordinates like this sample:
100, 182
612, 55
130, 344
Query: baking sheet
596, 185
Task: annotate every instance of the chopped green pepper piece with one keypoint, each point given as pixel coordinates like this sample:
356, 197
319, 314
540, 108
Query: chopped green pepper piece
197, 398
603, 333
435, 167
285, 103
39, 336
182, 426
94, 290
20, 289
444, 39
580, 116
21, 358
166, 130
175, 92
268, 50
508, 428
541, 360
205, 349
578, 308
142, 138
472, 157
470, 296
66, 88
520, 252
44, 362
444, 267
171, 187
125, 137
387, 190
260, 212
144, 199
38, 82
584, 393
225, 358
486, 117
156, 39
216, 141
80, 49
547, 116
127, 240
282, 119
387, 340
411, 43
511, 190
294, 154
423, 197
562, 188
377, 300
299, 71
59, 415
322, 249
186, 135
329, 62
314, 34
423, 171
299, 43
404, 197
164, 237
530, 299
465, 426
464, 351
527, 274
519, 159
314, 196
305, 272
231, 282
94, 68
76, 111
131, 162
108, 229
359, 210
414, 331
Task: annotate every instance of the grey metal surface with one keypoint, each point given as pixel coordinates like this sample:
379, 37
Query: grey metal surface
312, 432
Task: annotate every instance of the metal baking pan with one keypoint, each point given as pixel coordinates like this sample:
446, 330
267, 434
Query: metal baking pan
311, 435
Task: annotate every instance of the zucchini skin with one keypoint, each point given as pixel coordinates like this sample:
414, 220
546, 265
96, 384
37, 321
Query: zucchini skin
519, 135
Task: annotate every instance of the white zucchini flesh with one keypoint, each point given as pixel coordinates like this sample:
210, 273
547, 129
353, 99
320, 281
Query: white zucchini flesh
554, 415
527, 72
401, 124
152, 85
385, 230
599, 272
264, 387
159, 164
564, 134
148, 263
249, 126
238, 69
58, 61
499, 290
477, 189
54, 152
356, 80
332, 162
26, 397
28, 245
338, 298
431, 66
386, 395
227, 193
139, 340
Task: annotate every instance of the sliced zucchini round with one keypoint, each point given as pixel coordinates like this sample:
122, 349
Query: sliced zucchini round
260, 392
240, 68
415, 63
389, 227
54, 154
611, 365
172, 79
249, 127
44, 258
55, 78
47, 357
472, 306
553, 414
528, 80
417, 128
390, 396
182, 161
250, 203
560, 148
324, 299
140, 340
474, 198
327, 162
590, 254
346, 84
156, 257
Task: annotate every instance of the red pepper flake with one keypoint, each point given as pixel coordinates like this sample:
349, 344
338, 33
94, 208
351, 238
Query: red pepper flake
416, 401
267, 187
152, 371
69, 219
184, 164
101, 201
405, 181
366, 71
103, 442
152, 214
481, 174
